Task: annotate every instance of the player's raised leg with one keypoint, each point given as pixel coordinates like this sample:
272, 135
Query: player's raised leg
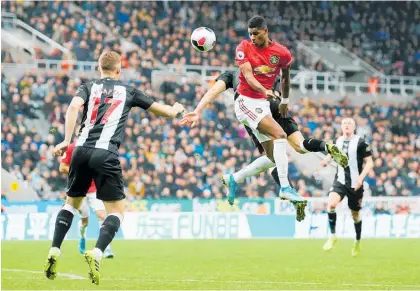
84, 221
302, 145
268, 126
333, 200
258, 166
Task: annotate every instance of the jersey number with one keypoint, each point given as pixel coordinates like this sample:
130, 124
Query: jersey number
96, 102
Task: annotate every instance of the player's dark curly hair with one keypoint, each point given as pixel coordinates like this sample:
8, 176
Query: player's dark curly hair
257, 22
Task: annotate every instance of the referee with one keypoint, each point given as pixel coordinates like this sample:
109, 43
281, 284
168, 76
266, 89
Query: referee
349, 181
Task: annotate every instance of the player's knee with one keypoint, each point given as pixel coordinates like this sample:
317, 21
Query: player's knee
85, 221
332, 205
355, 215
84, 211
297, 148
75, 202
100, 214
279, 135
333, 199
112, 224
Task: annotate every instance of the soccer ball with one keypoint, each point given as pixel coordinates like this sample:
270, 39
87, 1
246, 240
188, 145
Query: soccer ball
203, 39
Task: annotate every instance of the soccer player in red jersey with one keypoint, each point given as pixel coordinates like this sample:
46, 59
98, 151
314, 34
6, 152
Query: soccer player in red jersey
89, 202
260, 60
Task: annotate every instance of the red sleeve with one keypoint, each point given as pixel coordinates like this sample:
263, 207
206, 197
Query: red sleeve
241, 54
286, 59
67, 155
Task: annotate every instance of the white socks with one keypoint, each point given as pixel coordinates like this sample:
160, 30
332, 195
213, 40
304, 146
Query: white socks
282, 161
259, 165
55, 251
97, 254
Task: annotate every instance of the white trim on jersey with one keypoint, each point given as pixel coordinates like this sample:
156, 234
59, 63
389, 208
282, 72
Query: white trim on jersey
354, 169
340, 170
353, 165
120, 93
96, 90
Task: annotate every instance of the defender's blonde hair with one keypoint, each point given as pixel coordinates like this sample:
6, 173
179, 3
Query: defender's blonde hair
110, 61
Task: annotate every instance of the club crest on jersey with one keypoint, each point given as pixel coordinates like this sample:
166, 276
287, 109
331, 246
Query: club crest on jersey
274, 59
240, 55
258, 110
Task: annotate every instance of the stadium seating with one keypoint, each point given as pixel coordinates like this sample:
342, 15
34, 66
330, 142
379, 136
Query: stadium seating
188, 162
371, 30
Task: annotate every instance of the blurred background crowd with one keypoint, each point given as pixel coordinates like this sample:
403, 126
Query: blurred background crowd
384, 34
161, 158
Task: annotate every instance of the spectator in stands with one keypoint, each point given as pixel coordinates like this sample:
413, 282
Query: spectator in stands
370, 30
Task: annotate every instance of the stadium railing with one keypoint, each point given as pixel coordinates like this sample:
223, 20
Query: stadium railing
306, 47
86, 68
10, 20
326, 81
307, 81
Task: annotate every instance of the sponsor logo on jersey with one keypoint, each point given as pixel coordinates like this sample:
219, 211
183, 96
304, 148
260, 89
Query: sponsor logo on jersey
264, 69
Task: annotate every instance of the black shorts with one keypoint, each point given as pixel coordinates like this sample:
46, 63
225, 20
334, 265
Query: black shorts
100, 165
354, 198
288, 124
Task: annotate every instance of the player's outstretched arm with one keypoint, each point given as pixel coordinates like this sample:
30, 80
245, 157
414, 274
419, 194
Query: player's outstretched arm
212, 93
192, 117
166, 110
246, 70
71, 118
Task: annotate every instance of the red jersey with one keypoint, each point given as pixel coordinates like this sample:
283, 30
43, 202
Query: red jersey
265, 62
66, 160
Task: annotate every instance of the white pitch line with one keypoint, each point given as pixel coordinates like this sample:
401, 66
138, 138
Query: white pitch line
76, 277
253, 282
67, 275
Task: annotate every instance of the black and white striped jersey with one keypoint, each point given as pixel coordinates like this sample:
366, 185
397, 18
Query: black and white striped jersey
356, 149
107, 105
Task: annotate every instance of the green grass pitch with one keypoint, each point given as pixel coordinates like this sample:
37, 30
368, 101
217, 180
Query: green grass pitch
220, 264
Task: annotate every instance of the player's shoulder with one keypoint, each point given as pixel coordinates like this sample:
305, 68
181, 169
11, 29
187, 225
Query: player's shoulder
281, 48
362, 141
245, 43
89, 84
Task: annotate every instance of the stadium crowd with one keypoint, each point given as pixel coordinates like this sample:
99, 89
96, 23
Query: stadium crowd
385, 34
161, 158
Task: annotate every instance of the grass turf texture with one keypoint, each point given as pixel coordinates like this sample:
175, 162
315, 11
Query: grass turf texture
220, 264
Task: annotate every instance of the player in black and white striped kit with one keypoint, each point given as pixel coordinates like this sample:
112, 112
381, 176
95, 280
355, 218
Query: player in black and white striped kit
106, 105
349, 181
